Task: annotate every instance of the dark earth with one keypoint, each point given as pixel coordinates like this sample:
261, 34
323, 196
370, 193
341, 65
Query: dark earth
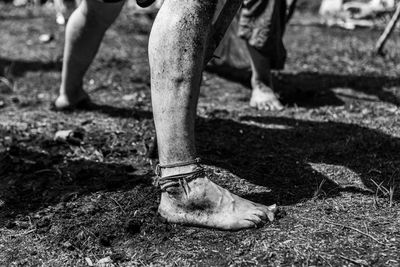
330, 160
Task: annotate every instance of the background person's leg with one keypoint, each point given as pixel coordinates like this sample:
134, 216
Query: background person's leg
261, 25
262, 95
84, 33
177, 50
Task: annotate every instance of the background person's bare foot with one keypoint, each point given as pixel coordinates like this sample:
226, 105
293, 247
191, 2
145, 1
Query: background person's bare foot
203, 203
79, 100
264, 98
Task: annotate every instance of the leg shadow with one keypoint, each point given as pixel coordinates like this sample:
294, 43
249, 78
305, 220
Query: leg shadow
309, 89
17, 68
281, 153
116, 112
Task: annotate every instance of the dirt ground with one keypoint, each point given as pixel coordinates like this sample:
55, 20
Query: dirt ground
330, 160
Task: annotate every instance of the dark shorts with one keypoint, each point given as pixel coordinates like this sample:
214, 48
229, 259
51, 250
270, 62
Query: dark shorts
262, 25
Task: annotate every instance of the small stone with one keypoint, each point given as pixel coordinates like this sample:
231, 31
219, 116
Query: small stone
70, 136
107, 261
60, 20
41, 96
130, 97
67, 245
46, 38
89, 261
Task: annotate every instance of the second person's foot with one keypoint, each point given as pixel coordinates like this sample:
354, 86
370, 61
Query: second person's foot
79, 101
264, 98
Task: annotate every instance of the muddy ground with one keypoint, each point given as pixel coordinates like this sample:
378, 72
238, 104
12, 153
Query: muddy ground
330, 160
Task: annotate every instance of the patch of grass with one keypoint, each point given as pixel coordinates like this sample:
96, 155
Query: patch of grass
386, 191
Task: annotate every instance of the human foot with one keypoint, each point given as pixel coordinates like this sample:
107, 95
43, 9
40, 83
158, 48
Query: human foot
264, 98
200, 202
79, 101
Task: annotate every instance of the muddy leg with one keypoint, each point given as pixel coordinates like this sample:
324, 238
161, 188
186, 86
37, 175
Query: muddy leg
262, 96
84, 32
177, 50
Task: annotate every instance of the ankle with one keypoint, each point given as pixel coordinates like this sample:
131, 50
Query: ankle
258, 80
255, 82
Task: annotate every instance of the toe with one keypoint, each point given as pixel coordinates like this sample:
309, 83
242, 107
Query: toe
256, 219
260, 213
263, 106
277, 106
269, 211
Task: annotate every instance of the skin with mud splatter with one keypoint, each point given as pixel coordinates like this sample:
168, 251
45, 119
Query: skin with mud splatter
177, 52
204, 203
175, 92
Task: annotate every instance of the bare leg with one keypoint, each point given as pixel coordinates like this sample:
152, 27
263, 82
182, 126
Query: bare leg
177, 50
84, 33
263, 96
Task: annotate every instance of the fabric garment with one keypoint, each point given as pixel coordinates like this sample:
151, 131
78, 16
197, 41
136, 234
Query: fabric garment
262, 25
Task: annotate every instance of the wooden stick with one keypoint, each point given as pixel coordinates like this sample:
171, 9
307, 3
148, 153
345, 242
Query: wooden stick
357, 262
388, 31
357, 230
348, 227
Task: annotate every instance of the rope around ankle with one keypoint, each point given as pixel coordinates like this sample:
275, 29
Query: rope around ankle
176, 180
174, 165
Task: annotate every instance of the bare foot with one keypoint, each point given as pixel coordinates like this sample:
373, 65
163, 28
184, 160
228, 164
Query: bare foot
203, 203
80, 100
264, 98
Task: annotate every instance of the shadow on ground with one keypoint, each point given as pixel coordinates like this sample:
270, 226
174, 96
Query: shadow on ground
17, 68
277, 152
31, 180
115, 112
313, 89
